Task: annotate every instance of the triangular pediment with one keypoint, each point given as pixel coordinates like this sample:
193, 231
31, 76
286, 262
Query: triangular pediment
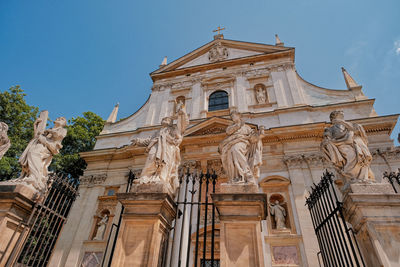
211, 126
220, 50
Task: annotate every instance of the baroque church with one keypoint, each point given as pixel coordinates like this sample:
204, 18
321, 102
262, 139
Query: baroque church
259, 82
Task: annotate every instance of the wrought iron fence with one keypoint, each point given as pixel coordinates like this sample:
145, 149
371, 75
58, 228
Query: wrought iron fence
45, 223
193, 238
194, 232
394, 179
337, 243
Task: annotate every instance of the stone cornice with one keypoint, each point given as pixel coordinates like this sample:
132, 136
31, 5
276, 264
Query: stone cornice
291, 133
226, 63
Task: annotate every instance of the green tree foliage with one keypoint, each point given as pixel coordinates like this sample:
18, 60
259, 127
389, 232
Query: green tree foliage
81, 136
20, 117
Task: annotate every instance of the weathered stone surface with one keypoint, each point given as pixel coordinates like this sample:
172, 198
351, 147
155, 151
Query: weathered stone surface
373, 211
229, 188
375, 188
152, 188
146, 223
240, 216
15, 207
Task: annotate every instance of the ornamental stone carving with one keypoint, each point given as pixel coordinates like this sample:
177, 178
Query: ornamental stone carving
163, 157
241, 152
345, 145
94, 179
190, 166
216, 165
218, 53
260, 93
4, 140
39, 153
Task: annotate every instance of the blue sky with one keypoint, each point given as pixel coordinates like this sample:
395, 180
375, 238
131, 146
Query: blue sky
79, 55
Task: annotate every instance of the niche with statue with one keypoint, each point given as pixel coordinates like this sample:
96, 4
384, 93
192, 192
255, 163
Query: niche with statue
101, 226
278, 210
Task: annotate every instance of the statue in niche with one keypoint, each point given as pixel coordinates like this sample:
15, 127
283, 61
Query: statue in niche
101, 228
4, 140
279, 214
179, 104
39, 153
163, 157
241, 152
345, 145
260, 94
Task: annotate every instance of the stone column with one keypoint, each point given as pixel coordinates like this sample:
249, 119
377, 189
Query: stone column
148, 214
240, 218
374, 212
15, 208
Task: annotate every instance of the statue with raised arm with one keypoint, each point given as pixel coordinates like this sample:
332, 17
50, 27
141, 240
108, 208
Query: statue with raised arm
163, 151
345, 145
39, 153
241, 152
279, 214
4, 141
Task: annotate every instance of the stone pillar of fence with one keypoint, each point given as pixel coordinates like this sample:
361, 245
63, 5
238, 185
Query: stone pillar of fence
149, 210
241, 211
374, 212
16, 205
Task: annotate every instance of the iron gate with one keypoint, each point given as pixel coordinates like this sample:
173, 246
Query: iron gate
195, 231
45, 223
337, 246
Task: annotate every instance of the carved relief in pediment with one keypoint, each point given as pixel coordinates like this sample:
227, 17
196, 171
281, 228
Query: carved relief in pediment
212, 129
218, 53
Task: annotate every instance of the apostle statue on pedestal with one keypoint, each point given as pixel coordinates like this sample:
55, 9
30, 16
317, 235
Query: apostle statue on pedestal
345, 145
163, 150
241, 152
40, 151
4, 141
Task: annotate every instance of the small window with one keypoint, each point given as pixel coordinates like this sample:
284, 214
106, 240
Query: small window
111, 192
218, 100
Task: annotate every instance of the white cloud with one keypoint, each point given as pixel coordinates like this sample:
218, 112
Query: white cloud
397, 47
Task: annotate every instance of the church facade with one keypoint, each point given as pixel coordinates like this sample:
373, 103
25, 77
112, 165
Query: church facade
260, 82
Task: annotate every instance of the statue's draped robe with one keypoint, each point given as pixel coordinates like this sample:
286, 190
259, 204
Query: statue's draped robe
241, 154
279, 213
4, 145
345, 145
164, 155
37, 157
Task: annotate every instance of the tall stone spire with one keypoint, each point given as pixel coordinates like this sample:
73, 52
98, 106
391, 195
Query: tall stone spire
113, 116
350, 82
278, 41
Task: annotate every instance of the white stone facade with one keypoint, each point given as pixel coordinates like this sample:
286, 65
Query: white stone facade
294, 116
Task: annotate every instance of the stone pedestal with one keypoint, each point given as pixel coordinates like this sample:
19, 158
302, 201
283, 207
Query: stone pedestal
240, 218
374, 212
15, 208
145, 226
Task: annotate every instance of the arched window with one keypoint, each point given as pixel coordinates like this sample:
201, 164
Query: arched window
218, 100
